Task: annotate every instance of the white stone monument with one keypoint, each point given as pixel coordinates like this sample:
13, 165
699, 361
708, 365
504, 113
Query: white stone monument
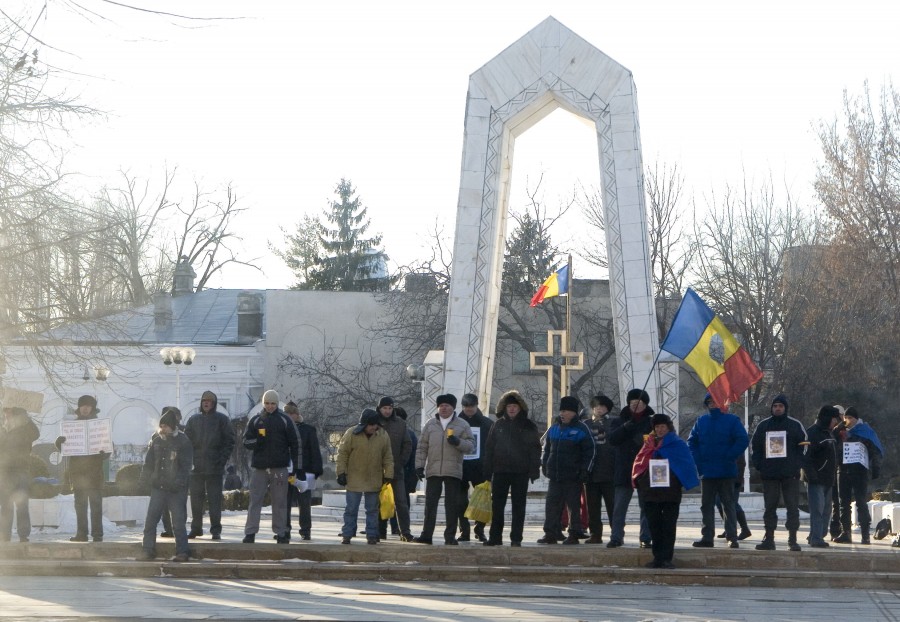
549, 67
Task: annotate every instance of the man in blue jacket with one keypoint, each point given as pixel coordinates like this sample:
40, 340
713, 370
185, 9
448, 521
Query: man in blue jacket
778, 450
716, 441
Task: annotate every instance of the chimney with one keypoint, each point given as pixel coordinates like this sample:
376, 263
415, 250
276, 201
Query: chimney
250, 317
184, 277
162, 311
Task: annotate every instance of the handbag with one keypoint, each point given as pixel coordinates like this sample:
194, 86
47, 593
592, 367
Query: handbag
386, 502
480, 504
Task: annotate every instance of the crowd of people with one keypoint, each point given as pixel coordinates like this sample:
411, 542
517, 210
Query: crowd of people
593, 461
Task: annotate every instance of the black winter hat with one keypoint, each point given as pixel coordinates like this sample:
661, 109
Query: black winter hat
827, 413
851, 412
385, 401
87, 400
659, 418
447, 398
170, 417
638, 394
369, 417
602, 400
570, 403
469, 399
780, 399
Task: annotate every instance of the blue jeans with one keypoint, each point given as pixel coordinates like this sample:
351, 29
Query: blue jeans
351, 514
175, 502
819, 511
620, 510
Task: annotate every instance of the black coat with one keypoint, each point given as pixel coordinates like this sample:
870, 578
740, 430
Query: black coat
627, 437
212, 440
820, 466
310, 452
604, 453
167, 465
278, 447
513, 446
779, 468
568, 451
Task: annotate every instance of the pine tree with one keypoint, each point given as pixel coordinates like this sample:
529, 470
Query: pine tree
348, 261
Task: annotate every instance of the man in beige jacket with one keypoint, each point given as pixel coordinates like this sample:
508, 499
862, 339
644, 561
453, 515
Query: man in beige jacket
445, 439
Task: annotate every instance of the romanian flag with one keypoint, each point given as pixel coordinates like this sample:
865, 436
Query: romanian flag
556, 284
700, 339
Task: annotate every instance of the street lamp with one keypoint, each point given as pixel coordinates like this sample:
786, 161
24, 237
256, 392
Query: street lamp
179, 356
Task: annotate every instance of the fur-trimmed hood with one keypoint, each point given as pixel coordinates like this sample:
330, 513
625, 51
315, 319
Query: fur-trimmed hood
508, 398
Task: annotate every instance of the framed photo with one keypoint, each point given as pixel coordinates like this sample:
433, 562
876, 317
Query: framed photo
776, 444
659, 473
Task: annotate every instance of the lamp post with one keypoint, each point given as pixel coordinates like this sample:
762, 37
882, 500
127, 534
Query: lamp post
178, 356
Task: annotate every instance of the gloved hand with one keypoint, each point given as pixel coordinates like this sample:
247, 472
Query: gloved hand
420, 473
301, 475
342, 479
59, 441
453, 440
386, 480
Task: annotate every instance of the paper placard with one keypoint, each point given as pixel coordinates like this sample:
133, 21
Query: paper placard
856, 453
303, 485
86, 438
659, 473
31, 401
476, 433
776, 444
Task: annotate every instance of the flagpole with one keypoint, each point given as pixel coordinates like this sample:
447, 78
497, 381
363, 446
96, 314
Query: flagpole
568, 343
747, 451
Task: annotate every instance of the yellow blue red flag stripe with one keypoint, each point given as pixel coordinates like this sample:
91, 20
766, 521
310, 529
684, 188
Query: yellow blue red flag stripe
556, 284
691, 338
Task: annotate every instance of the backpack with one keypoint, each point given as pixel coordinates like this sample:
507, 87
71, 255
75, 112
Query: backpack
882, 529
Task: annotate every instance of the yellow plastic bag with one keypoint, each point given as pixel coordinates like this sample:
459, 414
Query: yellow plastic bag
480, 504
386, 502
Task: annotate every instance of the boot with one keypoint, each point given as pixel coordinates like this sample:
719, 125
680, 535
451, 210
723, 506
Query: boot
464, 535
845, 536
479, 531
864, 535
745, 528
792, 541
768, 543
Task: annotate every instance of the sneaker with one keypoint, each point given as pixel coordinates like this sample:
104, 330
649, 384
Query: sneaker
612, 544
181, 557
704, 544
345, 540
167, 534
548, 540
250, 538
146, 556
78, 539
421, 540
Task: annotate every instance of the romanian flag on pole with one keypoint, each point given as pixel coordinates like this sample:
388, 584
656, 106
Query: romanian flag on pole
556, 284
700, 339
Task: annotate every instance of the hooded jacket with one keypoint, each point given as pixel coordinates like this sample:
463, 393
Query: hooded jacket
366, 460
167, 465
513, 445
820, 467
401, 447
716, 441
773, 428
473, 470
627, 437
212, 439
436, 454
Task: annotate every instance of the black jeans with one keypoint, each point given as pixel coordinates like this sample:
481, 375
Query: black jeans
789, 490
304, 509
209, 488
433, 486
597, 495
559, 495
723, 488
93, 496
854, 486
464, 525
502, 485
662, 519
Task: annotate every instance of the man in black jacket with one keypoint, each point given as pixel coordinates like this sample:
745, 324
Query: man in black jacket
273, 439
599, 488
473, 472
212, 439
310, 469
778, 451
819, 474
627, 437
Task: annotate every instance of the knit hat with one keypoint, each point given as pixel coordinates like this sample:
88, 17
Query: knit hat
569, 403
291, 409
781, 399
270, 396
87, 400
659, 418
170, 417
469, 399
851, 412
447, 398
368, 417
385, 401
638, 394
826, 414
602, 400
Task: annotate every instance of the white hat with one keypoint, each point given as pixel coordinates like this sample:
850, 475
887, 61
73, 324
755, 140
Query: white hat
840, 409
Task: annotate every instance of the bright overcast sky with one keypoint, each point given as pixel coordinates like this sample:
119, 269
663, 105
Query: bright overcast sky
299, 94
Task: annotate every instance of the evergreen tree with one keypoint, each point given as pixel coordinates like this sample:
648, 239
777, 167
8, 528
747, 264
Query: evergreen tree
347, 261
